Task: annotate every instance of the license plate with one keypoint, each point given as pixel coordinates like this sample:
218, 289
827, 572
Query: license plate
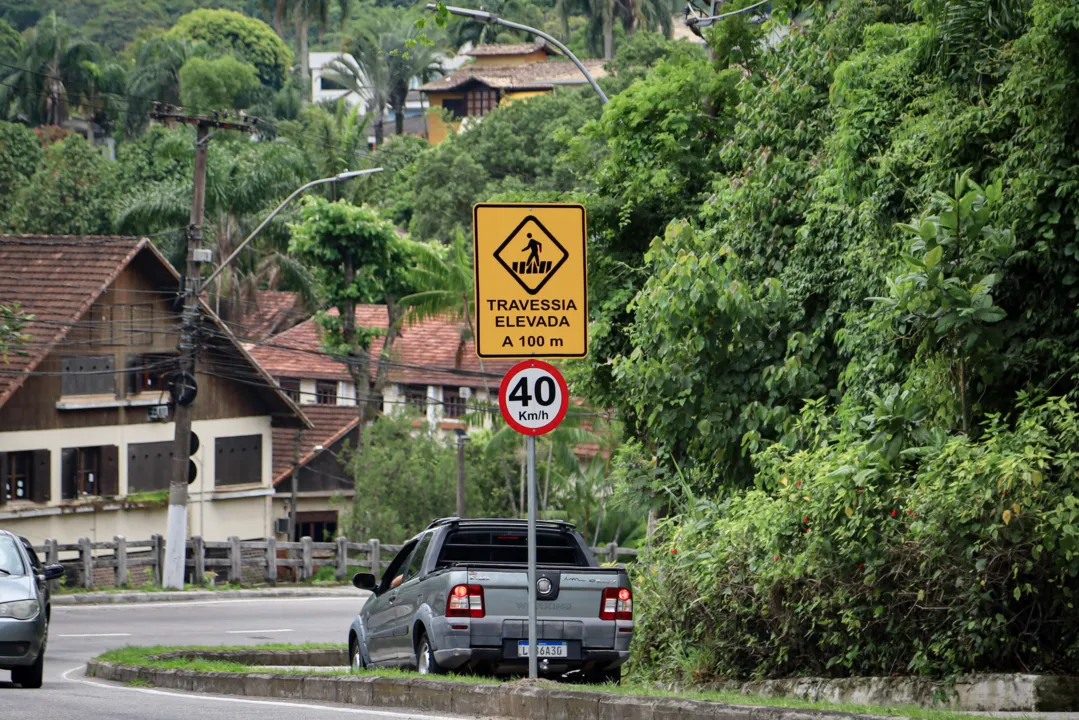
544, 649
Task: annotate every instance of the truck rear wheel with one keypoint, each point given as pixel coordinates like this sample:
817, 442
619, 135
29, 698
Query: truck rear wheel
425, 658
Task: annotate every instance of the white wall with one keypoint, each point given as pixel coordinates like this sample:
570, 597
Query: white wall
346, 393
82, 517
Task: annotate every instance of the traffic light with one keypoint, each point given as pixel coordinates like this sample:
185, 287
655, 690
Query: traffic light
192, 468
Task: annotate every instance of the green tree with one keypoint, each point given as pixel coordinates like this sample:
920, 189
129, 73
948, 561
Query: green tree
405, 478
944, 298
20, 156
156, 75
71, 193
223, 83
603, 15
355, 257
52, 65
251, 40
367, 77
388, 51
10, 43
12, 338
244, 182
332, 141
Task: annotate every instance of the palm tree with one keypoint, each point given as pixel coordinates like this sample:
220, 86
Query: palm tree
304, 13
632, 14
52, 61
102, 96
156, 76
391, 56
332, 141
367, 77
243, 183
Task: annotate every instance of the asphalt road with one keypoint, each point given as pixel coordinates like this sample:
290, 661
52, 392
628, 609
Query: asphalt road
78, 633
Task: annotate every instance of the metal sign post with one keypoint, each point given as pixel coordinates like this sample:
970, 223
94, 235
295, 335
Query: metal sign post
533, 639
533, 398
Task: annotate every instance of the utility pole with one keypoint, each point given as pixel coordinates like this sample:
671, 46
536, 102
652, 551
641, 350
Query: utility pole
183, 386
295, 487
462, 438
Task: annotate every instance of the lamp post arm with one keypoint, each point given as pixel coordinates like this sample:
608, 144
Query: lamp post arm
271, 216
488, 17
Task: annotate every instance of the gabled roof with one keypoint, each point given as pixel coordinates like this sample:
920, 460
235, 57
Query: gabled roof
330, 424
509, 49
57, 278
271, 312
530, 76
427, 353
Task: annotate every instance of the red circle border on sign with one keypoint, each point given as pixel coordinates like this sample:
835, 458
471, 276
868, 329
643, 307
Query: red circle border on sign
503, 390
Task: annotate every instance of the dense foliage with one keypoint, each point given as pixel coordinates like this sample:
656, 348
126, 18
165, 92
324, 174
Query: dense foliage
855, 360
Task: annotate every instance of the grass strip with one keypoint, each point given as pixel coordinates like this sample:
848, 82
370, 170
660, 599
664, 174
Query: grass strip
133, 655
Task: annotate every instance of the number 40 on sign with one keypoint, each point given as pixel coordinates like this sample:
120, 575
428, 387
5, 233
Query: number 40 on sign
533, 397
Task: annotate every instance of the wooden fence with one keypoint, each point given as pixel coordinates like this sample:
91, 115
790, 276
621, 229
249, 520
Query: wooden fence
96, 564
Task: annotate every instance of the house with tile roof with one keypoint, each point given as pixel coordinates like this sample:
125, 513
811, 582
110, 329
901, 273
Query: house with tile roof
434, 372
268, 313
499, 73
86, 435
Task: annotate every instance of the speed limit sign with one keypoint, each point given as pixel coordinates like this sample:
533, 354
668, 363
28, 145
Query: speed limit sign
533, 397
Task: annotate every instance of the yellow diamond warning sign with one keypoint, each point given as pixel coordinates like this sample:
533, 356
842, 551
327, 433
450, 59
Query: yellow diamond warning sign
531, 277
531, 255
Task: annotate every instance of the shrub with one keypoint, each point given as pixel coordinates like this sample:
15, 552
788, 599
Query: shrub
961, 555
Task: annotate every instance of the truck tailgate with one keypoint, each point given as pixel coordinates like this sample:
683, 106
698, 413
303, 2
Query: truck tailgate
576, 596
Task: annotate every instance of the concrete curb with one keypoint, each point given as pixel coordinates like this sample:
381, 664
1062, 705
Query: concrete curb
455, 698
157, 597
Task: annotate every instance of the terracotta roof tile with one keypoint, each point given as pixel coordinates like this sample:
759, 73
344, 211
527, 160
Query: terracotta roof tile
270, 313
331, 422
56, 279
530, 76
428, 353
509, 49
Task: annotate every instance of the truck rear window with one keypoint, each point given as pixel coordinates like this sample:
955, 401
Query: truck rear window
509, 548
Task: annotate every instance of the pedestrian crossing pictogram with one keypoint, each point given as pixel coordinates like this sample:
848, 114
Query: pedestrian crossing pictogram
531, 255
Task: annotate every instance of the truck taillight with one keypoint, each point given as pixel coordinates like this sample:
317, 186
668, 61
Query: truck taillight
617, 604
465, 601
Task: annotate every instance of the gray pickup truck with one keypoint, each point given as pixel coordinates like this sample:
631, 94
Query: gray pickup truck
456, 598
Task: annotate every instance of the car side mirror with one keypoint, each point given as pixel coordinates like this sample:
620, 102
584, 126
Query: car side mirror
52, 572
364, 581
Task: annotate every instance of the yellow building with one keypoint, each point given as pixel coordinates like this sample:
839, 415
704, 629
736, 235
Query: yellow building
499, 73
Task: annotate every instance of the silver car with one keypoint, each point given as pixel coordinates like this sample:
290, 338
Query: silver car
24, 609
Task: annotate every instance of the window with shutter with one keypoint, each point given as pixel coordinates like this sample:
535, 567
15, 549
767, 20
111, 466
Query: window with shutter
238, 460
149, 466
88, 375
83, 472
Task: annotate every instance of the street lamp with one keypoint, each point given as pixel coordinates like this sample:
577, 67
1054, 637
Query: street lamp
492, 19
336, 178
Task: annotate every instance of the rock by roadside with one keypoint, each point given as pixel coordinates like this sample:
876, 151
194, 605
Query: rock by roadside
187, 596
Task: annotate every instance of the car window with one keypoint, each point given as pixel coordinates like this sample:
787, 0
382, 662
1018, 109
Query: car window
396, 567
415, 565
11, 562
34, 560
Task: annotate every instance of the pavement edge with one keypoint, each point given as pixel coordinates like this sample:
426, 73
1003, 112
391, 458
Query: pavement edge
441, 696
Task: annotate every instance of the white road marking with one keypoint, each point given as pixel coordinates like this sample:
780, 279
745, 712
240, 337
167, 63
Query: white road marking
217, 698
93, 635
196, 603
244, 632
